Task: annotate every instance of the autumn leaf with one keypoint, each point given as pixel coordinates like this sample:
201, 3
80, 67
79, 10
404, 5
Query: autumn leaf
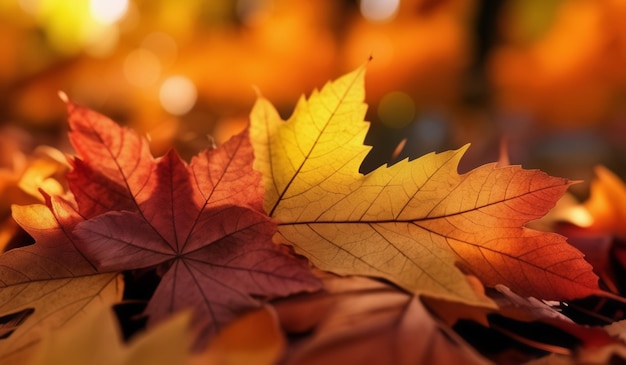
595, 226
248, 340
112, 166
254, 338
200, 224
451, 312
414, 223
607, 199
366, 321
22, 174
611, 354
79, 343
51, 278
514, 306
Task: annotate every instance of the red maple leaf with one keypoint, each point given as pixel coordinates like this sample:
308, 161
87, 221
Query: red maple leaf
201, 223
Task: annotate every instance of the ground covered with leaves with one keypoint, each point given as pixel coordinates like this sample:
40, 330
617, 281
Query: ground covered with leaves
273, 248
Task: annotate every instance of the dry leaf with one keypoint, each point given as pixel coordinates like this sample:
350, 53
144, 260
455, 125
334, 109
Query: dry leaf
51, 277
368, 322
450, 312
528, 309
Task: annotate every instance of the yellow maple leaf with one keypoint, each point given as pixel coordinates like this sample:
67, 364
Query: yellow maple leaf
414, 223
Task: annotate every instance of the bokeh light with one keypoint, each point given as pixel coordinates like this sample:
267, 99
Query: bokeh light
379, 10
178, 95
442, 74
396, 109
30, 6
108, 11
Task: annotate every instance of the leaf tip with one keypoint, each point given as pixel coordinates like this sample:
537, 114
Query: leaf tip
63, 96
504, 158
257, 91
573, 182
463, 149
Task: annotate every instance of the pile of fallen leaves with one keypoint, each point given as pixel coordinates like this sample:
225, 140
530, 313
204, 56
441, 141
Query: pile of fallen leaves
273, 249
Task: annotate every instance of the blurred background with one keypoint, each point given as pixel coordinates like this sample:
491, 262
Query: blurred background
547, 76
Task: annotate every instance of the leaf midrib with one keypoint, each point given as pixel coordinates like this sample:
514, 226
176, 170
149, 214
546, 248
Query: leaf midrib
412, 220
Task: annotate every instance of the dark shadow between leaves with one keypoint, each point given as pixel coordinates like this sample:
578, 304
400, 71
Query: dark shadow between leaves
10, 322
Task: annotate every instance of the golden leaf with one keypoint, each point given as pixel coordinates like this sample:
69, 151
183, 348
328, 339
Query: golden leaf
416, 222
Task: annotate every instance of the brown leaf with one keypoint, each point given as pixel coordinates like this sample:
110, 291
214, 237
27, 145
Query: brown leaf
370, 322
